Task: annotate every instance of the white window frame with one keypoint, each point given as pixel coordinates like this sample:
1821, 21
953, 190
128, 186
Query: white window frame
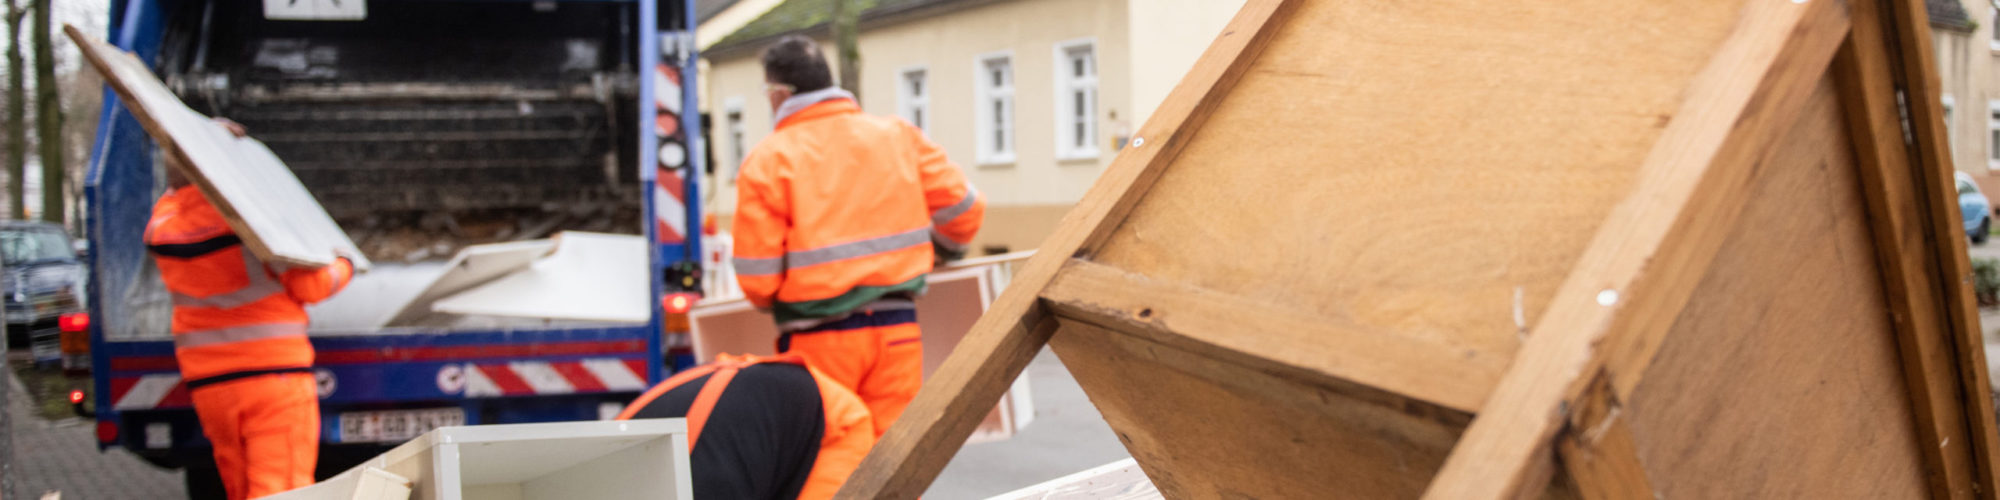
1066, 85
1993, 38
1993, 134
985, 95
732, 116
915, 107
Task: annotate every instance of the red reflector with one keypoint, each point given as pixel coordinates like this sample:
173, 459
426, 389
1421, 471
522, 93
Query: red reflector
75, 397
679, 303
74, 322
107, 432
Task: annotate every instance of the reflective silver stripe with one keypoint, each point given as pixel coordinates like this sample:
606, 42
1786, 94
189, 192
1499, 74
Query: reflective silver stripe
261, 285
238, 334
752, 266
946, 214
863, 248
945, 241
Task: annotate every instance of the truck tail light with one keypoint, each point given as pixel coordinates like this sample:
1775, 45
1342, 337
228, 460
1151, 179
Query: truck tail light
107, 432
74, 322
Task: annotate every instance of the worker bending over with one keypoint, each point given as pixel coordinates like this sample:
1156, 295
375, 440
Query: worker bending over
239, 330
839, 216
763, 428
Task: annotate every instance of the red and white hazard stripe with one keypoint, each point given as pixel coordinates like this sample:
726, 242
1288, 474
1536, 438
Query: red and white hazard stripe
528, 378
159, 390
669, 189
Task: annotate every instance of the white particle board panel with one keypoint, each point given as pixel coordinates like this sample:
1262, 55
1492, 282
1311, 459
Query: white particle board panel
472, 266
638, 459
366, 483
257, 194
589, 277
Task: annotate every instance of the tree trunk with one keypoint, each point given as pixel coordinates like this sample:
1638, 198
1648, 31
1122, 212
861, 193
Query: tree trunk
48, 115
17, 113
847, 49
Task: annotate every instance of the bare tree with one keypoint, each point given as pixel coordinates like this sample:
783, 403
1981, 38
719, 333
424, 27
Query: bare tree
17, 111
48, 114
846, 23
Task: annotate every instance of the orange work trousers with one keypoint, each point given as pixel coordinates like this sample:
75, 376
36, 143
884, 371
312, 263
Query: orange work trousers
265, 430
880, 355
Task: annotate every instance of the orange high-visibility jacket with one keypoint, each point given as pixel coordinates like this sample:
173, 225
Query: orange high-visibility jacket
850, 429
233, 315
839, 208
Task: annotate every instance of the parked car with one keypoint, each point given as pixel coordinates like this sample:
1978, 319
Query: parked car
42, 280
1974, 207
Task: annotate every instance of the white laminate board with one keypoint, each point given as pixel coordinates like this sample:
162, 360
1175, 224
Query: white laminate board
589, 277
257, 194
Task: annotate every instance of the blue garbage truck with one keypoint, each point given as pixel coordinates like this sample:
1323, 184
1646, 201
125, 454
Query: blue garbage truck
402, 110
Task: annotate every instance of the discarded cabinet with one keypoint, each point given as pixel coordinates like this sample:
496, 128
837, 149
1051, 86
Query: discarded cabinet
562, 461
367, 483
1474, 249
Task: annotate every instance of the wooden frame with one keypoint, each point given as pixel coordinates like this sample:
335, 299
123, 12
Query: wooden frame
1752, 97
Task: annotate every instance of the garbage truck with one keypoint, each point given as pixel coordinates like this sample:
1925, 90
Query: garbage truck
412, 117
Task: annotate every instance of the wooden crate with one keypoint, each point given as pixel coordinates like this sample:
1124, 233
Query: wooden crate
1473, 249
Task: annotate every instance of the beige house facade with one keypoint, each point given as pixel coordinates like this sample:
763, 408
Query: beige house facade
1962, 35
1031, 98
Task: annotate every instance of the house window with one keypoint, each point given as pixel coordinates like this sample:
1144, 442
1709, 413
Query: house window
737, 149
1076, 100
996, 109
1995, 41
913, 98
1993, 132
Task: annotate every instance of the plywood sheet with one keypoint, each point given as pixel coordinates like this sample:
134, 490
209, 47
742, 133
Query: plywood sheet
263, 202
1430, 169
1243, 430
472, 266
590, 277
1781, 378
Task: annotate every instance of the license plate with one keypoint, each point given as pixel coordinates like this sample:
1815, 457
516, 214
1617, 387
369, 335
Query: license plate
395, 425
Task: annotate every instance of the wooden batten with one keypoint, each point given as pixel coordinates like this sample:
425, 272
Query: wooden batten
1473, 249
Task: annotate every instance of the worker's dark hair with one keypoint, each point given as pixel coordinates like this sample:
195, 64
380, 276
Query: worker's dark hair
797, 61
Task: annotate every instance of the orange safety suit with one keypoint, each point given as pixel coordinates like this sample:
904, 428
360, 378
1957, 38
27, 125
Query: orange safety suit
240, 337
839, 216
847, 434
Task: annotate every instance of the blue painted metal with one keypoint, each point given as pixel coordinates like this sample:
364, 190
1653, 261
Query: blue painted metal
118, 188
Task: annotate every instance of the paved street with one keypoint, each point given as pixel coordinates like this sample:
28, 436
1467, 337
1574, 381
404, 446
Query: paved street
1066, 436
62, 456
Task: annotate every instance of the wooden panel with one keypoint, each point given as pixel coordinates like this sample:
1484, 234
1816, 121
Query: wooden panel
1781, 378
255, 192
1867, 77
1367, 364
1435, 168
1643, 264
1207, 429
1004, 340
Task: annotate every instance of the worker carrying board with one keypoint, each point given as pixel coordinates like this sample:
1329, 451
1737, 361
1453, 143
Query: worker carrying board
763, 427
839, 216
239, 329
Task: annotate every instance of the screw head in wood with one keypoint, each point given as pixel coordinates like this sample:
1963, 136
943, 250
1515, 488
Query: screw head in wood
1138, 141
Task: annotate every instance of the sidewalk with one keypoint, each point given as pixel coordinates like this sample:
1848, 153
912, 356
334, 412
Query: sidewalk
62, 456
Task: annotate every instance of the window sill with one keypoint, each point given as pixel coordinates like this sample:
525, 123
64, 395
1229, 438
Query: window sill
996, 162
1077, 157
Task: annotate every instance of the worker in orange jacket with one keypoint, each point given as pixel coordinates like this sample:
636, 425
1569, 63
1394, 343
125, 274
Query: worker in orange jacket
239, 330
839, 216
763, 427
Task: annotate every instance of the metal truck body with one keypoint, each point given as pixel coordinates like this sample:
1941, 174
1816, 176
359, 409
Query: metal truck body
349, 111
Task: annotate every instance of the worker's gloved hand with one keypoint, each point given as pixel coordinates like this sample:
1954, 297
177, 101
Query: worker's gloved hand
234, 128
